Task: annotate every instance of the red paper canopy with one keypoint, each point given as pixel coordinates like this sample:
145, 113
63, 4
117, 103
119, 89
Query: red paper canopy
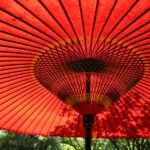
51, 50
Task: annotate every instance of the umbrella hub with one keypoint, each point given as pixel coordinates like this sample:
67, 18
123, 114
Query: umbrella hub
87, 65
91, 83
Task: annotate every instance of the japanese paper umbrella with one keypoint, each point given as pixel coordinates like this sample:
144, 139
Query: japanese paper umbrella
66, 65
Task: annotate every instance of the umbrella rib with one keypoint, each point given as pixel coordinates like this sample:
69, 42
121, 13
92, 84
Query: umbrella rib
102, 78
28, 71
141, 45
93, 26
59, 68
128, 40
8, 65
67, 16
37, 126
49, 103
122, 70
54, 18
123, 117
105, 23
120, 20
126, 59
20, 43
10, 118
65, 49
134, 37
25, 57
27, 105
132, 22
49, 126
122, 77
108, 78
16, 67
138, 107
143, 92
126, 46
121, 120
15, 87
139, 40
30, 25
137, 29
41, 21
20, 60
115, 50
10, 99
67, 73
130, 33
83, 25
39, 104
75, 88
15, 47
16, 52
131, 116
143, 83
112, 121
64, 68
46, 112
141, 15
19, 77
113, 114
30, 33
18, 36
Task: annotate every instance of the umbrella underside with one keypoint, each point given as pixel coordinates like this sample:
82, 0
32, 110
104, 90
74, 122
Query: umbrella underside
63, 60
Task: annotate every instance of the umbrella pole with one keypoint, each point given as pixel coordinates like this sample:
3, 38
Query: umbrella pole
88, 119
88, 123
88, 139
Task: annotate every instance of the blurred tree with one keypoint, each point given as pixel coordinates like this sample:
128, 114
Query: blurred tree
13, 141
131, 144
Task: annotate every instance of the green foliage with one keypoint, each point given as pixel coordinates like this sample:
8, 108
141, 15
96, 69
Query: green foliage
131, 144
12, 141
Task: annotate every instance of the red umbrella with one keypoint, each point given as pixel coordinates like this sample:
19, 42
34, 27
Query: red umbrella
68, 64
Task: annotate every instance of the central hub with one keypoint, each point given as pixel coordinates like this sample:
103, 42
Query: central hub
87, 84
87, 65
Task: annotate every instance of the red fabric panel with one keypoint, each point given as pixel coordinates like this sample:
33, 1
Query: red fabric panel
115, 31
